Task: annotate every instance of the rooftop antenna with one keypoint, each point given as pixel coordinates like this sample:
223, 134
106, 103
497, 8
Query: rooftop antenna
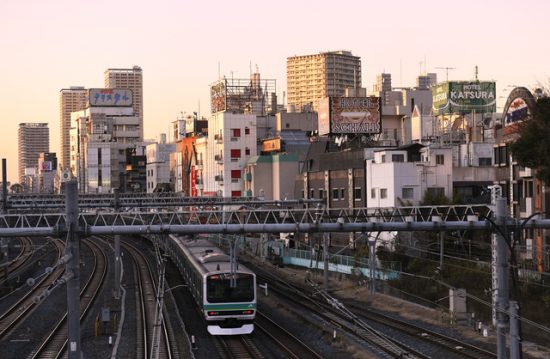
446, 71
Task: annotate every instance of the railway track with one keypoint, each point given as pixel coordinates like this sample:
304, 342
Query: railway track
55, 344
452, 344
147, 312
357, 318
19, 261
293, 346
24, 306
237, 347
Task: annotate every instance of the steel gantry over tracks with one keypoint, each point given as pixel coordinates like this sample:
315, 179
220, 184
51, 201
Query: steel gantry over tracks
258, 220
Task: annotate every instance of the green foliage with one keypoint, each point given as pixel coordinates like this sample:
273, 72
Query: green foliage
532, 148
434, 199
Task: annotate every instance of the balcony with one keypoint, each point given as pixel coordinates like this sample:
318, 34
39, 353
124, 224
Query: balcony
218, 178
525, 172
526, 206
218, 138
218, 159
199, 184
248, 176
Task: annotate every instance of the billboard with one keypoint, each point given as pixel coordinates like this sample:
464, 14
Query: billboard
46, 166
110, 97
272, 144
462, 97
517, 112
355, 115
218, 96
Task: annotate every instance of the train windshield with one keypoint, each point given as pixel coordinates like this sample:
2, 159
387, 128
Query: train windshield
218, 288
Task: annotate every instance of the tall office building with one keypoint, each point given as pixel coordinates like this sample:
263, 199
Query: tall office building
129, 79
33, 138
70, 100
312, 77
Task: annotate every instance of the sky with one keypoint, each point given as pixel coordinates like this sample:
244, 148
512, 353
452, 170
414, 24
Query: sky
183, 46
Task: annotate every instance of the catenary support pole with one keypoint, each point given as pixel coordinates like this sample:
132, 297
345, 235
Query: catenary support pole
502, 278
118, 266
4, 187
514, 331
118, 259
325, 260
73, 269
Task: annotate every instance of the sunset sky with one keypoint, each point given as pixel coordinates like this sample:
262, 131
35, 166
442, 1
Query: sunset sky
180, 45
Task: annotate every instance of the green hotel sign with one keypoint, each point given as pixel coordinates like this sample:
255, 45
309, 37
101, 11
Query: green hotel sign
462, 97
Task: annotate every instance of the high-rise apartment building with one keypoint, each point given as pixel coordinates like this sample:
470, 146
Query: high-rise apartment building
33, 138
129, 79
70, 100
312, 77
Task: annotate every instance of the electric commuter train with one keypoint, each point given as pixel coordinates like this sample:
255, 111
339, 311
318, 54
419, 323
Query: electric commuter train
207, 271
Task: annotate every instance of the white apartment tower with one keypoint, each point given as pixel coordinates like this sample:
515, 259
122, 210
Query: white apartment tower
312, 77
129, 79
70, 100
32, 139
231, 142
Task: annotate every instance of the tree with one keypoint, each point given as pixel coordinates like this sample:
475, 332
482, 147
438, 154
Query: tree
532, 148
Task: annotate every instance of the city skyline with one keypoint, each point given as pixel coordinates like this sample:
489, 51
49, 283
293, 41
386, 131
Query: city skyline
183, 48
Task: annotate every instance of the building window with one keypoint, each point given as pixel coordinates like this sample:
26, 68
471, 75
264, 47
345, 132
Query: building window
247, 131
373, 193
438, 191
398, 158
342, 193
235, 154
439, 159
383, 159
407, 193
383, 193
235, 132
99, 156
311, 193
335, 194
247, 151
236, 194
321, 193
485, 161
357, 195
303, 194
235, 175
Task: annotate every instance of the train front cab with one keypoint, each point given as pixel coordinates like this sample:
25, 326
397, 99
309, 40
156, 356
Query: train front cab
230, 311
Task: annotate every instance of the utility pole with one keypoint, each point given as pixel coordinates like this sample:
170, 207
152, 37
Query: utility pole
446, 71
73, 270
502, 276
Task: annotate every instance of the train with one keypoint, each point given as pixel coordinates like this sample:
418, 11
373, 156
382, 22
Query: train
207, 272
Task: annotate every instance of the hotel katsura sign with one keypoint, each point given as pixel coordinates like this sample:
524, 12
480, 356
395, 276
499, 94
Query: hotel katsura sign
464, 97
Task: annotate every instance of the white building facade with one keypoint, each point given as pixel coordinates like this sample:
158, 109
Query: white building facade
158, 164
395, 178
99, 137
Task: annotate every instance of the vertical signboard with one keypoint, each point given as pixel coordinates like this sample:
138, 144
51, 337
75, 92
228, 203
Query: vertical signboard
218, 96
193, 182
323, 117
